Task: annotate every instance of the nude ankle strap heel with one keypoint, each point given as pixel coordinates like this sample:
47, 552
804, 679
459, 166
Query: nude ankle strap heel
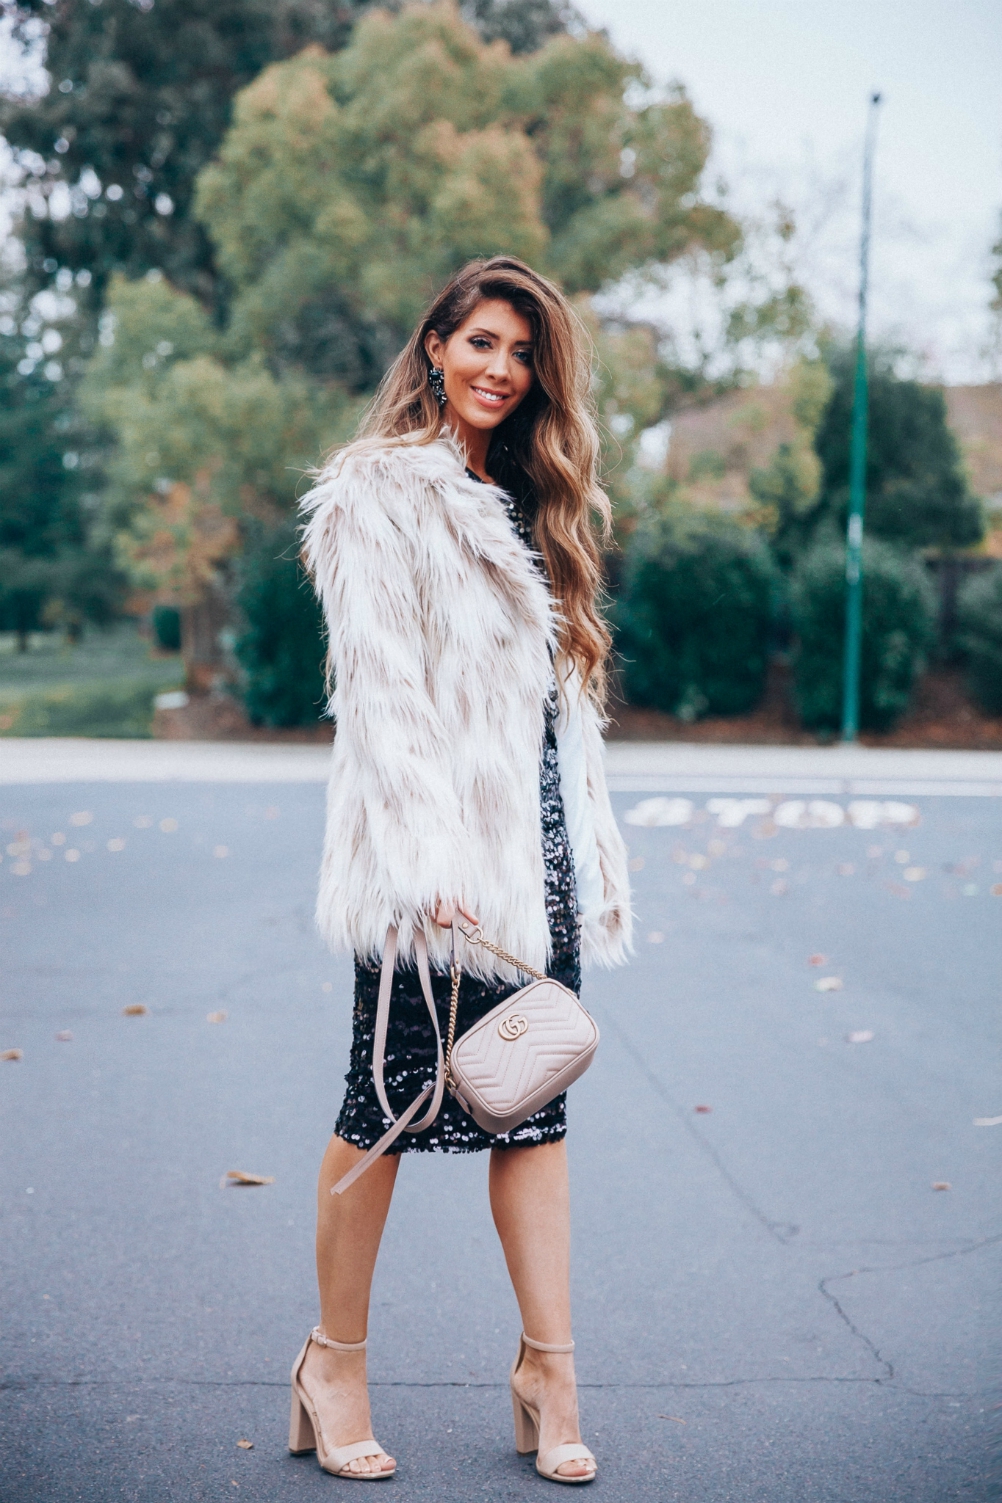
527, 1423
304, 1423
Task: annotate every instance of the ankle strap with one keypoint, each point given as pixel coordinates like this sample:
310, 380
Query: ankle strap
547, 1346
338, 1346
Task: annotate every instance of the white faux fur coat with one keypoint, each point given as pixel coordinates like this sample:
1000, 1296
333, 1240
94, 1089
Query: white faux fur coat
441, 632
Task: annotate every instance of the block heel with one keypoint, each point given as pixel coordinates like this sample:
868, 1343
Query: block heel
527, 1425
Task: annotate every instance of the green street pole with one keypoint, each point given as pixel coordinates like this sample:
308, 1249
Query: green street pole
857, 461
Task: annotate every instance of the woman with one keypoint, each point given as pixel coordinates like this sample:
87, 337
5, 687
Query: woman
451, 545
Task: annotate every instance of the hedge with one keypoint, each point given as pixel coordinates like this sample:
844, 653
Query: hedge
899, 627
281, 648
979, 636
694, 618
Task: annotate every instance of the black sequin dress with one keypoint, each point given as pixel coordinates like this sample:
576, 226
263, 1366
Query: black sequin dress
410, 1044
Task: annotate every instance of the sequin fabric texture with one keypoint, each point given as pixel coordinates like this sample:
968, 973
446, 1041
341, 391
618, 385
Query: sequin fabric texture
410, 1045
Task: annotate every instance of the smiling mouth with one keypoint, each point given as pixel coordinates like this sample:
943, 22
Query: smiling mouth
496, 398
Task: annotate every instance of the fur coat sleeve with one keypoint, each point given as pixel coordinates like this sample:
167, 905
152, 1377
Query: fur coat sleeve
441, 636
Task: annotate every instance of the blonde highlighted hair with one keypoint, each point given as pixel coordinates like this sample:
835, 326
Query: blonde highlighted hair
548, 447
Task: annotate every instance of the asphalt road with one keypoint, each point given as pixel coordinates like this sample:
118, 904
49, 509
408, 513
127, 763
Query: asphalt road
772, 1301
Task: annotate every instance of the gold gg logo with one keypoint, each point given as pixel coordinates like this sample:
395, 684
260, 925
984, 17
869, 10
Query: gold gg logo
513, 1026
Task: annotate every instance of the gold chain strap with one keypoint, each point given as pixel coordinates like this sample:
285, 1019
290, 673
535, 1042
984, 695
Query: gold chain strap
474, 937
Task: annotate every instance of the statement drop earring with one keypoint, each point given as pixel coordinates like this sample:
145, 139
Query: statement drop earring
436, 380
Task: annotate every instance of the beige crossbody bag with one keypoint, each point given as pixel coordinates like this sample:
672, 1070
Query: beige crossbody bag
513, 1060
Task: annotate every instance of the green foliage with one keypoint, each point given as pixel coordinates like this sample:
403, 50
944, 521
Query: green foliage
200, 444
916, 492
24, 585
524, 24
694, 620
899, 619
281, 648
979, 618
165, 623
140, 99
350, 187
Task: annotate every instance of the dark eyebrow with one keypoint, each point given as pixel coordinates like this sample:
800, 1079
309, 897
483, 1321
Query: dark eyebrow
493, 334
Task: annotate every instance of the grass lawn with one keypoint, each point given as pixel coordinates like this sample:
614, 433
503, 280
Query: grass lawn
102, 686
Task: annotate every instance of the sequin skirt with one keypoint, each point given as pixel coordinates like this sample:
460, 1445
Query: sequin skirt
410, 1043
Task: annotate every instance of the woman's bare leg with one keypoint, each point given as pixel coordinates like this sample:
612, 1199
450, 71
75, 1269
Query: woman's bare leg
349, 1229
530, 1199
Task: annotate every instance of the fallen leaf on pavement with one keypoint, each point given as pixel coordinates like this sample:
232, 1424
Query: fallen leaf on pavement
817, 959
941, 1184
64, 1037
11, 1054
860, 1036
702, 1108
238, 1177
246, 1445
215, 1017
828, 984
673, 1417
135, 1010
988, 1121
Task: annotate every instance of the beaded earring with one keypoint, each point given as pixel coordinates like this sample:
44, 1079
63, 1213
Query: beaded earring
436, 380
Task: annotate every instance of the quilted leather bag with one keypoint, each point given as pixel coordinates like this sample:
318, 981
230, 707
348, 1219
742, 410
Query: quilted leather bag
513, 1060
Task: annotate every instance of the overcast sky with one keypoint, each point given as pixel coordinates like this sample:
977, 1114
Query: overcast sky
784, 83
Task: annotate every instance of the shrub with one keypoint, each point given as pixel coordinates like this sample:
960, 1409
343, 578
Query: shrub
166, 625
979, 635
281, 649
694, 619
899, 617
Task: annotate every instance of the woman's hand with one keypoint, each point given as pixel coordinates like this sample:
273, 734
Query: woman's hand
445, 914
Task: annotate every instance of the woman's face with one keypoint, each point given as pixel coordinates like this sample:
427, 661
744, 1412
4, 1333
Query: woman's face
487, 364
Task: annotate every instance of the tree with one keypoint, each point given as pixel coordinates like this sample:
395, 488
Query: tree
916, 491
786, 489
526, 25
202, 448
136, 101
139, 100
350, 186
995, 304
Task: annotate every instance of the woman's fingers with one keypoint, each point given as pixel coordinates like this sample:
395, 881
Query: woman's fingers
446, 912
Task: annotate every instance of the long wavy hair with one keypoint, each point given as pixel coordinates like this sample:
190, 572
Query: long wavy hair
547, 449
